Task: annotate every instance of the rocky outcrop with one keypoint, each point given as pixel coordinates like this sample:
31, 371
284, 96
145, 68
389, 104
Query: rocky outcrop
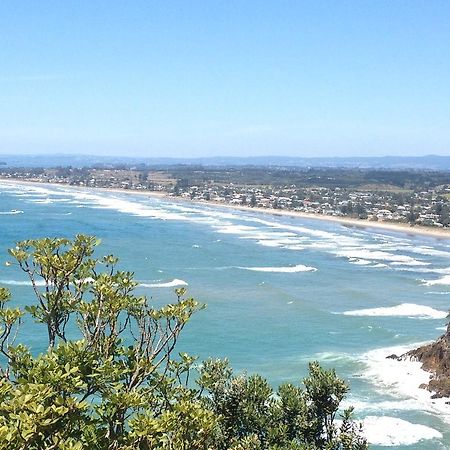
435, 358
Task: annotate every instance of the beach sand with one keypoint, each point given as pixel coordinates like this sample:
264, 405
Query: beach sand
438, 233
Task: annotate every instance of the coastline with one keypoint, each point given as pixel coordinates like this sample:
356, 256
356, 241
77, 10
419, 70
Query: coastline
400, 379
404, 377
438, 233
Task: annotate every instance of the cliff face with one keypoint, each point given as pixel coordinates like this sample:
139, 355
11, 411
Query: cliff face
435, 358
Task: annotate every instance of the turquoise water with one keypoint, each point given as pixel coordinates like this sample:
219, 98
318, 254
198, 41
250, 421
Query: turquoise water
280, 292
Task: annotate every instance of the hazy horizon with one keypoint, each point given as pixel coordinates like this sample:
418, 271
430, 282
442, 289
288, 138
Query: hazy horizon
218, 156
293, 79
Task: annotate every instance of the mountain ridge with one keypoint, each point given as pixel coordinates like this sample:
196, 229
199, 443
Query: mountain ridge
430, 162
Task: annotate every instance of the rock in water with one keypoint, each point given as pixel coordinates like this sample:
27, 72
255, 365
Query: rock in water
435, 358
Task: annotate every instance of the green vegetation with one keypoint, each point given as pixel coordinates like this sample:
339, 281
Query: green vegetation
355, 179
110, 378
183, 176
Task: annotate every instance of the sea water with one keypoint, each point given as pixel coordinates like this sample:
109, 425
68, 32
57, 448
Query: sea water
280, 292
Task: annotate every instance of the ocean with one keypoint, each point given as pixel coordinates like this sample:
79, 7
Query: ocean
280, 292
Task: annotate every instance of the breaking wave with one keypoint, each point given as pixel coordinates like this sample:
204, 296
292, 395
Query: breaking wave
402, 379
445, 280
11, 213
392, 431
404, 309
174, 283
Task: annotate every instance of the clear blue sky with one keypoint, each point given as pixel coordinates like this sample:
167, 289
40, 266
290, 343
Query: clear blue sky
196, 78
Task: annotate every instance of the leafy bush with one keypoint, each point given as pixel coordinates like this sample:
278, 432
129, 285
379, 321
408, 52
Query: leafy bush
120, 386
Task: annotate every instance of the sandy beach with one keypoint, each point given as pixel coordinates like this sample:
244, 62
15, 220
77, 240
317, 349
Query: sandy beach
438, 233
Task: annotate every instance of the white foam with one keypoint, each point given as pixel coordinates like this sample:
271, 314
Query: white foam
268, 233
304, 230
392, 431
402, 379
270, 243
174, 283
404, 309
272, 235
10, 213
44, 201
426, 250
28, 188
332, 357
378, 255
411, 262
289, 269
295, 247
445, 280
136, 208
236, 229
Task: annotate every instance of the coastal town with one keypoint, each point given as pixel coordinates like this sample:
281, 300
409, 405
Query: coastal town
425, 203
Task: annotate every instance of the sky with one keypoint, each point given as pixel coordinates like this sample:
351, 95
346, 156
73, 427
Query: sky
207, 78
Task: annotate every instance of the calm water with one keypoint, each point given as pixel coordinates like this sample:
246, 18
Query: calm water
280, 292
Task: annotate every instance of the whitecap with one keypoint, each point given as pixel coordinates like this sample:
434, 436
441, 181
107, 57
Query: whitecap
174, 283
261, 235
10, 213
289, 269
295, 247
321, 245
270, 243
425, 250
378, 255
445, 280
404, 309
411, 262
392, 431
236, 229
332, 357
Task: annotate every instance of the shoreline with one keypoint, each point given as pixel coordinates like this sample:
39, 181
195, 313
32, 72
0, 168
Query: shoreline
417, 230
404, 377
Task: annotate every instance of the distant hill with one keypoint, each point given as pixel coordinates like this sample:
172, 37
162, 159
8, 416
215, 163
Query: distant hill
430, 162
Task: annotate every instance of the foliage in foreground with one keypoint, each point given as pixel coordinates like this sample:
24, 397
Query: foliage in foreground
115, 383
